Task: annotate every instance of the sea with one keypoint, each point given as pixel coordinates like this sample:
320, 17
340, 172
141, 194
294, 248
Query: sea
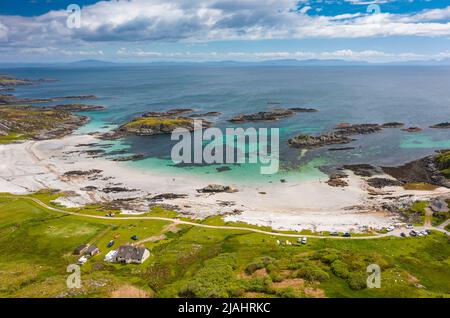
414, 95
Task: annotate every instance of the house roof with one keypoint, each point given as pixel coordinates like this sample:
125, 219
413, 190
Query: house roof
80, 248
131, 252
91, 249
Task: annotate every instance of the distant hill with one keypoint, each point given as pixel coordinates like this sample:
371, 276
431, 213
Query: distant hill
91, 63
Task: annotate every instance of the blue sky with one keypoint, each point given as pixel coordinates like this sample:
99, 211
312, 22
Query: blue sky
154, 30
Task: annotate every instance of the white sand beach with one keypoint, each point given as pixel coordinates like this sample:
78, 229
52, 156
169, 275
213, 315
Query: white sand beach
34, 165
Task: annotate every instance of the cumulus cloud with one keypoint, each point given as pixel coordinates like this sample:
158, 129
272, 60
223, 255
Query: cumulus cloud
203, 20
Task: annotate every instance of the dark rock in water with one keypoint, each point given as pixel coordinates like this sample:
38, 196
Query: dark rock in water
419, 171
223, 169
82, 173
216, 188
168, 196
78, 107
93, 144
303, 110
340, 135
169, 113
283, 181
442, 126
208, 114
272, 115
341, 149
357, 129
412, 129
363, 170
307, 141
383, 182
393, 125
129, 158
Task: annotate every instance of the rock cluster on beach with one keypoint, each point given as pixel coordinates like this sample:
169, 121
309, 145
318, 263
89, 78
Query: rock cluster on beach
216, 188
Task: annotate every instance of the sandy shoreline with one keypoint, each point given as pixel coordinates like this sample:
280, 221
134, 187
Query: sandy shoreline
313, 204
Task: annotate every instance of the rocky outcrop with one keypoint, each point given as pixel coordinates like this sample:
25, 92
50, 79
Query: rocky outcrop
208, 114
168, 196
419, 171
216, 188
363, 170
337, 180
11, 99
393, 125
78, 107
340, 135
412, 129
445, 125
81, 173
272, 115
170, 113
307, 141
129, 158
383, 182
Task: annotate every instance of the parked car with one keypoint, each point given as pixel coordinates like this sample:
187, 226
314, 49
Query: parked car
304, 240
402, 234
334, 234
346, 234
110, 244
409, 226
413, 233
390, 228
135, 238
428, 231
82, 260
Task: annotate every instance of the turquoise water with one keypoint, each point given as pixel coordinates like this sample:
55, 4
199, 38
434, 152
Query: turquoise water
417, 96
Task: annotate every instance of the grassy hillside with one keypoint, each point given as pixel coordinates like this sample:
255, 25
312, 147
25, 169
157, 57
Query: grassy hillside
36, 246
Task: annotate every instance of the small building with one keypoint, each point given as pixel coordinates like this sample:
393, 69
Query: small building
439, 205
80, 250
92, 250
111, 256
130, 254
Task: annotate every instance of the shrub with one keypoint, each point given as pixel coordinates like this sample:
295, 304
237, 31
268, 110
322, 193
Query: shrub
340, 269
357, 281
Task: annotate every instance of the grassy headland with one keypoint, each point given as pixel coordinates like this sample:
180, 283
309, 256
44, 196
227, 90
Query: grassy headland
36, 246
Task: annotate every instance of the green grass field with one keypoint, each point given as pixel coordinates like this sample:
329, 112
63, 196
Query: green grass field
36, 247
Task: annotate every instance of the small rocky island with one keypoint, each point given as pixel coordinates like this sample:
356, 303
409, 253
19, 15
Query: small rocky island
340, 135
156, 123
272, 115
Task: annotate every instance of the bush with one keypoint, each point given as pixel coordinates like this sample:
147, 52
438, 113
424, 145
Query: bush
357, 281
259, 284
340, 269
259, 263
311, 272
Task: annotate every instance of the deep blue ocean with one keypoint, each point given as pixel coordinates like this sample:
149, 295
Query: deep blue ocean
414, 95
